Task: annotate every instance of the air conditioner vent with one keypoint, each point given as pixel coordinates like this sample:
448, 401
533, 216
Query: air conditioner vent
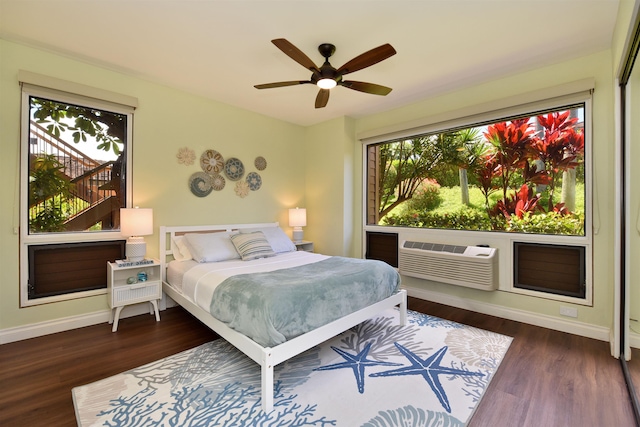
436, 247
470, 266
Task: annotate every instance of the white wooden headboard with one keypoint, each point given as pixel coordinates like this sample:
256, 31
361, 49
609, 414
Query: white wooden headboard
169, 232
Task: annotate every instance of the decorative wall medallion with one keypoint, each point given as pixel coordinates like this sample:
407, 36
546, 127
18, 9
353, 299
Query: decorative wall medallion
260, 163
217, 181
254, 181
200, 184
242, 189
234, 169
186, 156
211, 161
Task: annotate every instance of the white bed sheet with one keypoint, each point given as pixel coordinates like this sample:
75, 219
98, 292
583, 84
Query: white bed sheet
176, 270
199, 280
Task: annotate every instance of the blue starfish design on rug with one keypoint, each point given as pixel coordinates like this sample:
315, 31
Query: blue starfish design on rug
357, 362
430, 369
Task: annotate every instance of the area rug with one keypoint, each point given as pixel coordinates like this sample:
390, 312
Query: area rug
431, 372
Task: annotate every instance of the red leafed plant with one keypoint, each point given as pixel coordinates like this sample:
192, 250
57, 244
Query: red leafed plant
510, 141
485, 175
558, 147
520, 202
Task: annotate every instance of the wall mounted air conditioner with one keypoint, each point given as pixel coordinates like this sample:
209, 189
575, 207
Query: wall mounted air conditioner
469, 266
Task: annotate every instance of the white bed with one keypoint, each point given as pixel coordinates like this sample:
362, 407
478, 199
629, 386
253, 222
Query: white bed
266, 356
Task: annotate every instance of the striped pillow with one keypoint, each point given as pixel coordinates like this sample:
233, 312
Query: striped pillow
252, 245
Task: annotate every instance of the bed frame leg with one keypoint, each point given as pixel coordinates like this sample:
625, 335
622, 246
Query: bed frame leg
403, 308
267, 384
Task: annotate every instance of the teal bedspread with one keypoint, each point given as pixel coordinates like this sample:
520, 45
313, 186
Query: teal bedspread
275, 306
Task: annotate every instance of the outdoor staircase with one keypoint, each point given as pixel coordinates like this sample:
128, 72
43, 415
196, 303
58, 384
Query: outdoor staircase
96, 186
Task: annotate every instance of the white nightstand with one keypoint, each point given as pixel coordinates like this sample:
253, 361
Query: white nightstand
122, 293
304, 245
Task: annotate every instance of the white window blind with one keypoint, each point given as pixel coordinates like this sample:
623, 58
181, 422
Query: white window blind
77, 93
550, 98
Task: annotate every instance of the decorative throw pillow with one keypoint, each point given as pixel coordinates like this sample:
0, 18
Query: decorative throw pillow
276, 237
252, 245
211, 247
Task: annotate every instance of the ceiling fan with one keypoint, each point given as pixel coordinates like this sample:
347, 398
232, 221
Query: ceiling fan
327, 77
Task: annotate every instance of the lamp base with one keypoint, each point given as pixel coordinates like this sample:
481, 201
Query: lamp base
297, 234
136, 249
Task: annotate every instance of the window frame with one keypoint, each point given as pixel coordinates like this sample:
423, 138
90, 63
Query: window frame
26, 239
528, 104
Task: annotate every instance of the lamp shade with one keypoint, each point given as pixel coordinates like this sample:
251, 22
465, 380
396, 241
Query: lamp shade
297, 217
136, 222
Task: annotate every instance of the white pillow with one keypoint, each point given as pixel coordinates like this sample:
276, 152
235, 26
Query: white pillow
252, 245
179, 249
211, 247
276, 237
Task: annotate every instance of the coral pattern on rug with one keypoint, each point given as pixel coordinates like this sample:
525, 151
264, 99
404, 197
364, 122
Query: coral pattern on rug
431, 372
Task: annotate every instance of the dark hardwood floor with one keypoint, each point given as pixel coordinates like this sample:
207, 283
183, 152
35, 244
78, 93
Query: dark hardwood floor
633, 366
547, 378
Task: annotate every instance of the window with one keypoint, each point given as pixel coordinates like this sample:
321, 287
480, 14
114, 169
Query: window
514, 175
524, 174
75, 169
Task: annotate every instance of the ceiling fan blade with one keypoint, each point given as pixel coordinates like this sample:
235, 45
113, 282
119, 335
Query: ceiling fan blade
296, 54
366, 87
281, 84
368, 58
322, 98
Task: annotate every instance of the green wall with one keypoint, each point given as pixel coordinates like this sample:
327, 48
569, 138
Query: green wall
633, 89
166, 120
329, 161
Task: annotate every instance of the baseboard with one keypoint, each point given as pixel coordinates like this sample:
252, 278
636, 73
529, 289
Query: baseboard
615, 352
572, 327
34, 330
634, 340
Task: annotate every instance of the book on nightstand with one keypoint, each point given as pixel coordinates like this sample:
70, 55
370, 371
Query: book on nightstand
126, 263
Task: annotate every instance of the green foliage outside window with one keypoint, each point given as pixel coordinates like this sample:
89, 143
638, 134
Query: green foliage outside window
76, 163
514, 170
49, 193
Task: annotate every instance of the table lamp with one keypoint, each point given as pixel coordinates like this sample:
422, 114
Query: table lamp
135, 223
297, 220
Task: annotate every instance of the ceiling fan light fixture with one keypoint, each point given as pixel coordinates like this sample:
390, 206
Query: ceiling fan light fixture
327, 76
326, 83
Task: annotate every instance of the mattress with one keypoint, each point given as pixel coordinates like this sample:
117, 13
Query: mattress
198, 281
176, 271
274, 299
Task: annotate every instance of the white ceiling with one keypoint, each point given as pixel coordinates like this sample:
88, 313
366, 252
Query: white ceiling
220, 49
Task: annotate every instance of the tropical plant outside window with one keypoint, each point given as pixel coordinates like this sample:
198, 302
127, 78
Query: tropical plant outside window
522, 174
76, 167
